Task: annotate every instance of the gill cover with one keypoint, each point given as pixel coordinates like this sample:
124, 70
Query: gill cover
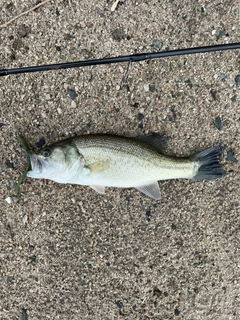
58, 163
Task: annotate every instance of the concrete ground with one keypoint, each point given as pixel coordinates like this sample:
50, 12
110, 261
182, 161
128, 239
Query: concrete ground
67, 252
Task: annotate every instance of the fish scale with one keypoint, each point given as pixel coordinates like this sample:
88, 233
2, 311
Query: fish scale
132, 157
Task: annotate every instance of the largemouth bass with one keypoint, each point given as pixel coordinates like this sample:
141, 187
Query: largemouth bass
101, 161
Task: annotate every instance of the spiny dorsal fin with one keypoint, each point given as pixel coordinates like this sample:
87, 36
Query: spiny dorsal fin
155, 140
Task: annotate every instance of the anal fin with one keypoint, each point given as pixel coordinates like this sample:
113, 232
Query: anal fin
151, 190
99, 189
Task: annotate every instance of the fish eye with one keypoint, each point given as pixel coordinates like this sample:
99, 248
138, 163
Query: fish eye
47, 152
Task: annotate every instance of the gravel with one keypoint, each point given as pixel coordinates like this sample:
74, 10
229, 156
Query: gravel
70, 253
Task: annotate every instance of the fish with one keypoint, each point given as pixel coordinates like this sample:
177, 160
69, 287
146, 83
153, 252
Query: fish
101, 160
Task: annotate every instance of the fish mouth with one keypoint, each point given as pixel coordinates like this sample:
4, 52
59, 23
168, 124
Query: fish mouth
37, 163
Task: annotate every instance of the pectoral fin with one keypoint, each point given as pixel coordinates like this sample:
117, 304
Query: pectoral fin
99, 189
98, 166
151, 190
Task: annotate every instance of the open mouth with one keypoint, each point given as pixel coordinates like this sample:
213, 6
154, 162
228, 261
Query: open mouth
36, 163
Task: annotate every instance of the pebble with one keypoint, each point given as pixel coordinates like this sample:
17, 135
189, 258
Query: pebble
14, 185
24, 315
176, 312
9, 200
173, 117
121, 69
118, 34
119, 304
140, 116
230, 156
237, 81
223, 76
67, 36
9, 164
73, 104
22, 31
136, 105
146, 87
15, 199
25, 219
218, 123
157, 292
188, 83
152, 88
220, 34
72, 94
40, 143
157, 45
12, 200
8, 50
100, 12
82, 24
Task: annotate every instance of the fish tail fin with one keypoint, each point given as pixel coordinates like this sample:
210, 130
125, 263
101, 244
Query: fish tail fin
208, 162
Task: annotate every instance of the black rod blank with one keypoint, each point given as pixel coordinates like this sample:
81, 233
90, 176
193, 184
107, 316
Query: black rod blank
129, 58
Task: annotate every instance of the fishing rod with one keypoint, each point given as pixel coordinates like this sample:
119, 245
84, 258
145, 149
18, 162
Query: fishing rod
129, 59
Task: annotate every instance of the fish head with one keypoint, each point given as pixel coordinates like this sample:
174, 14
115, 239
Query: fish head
57, 162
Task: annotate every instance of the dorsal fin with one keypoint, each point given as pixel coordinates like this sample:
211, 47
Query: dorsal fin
155, 140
